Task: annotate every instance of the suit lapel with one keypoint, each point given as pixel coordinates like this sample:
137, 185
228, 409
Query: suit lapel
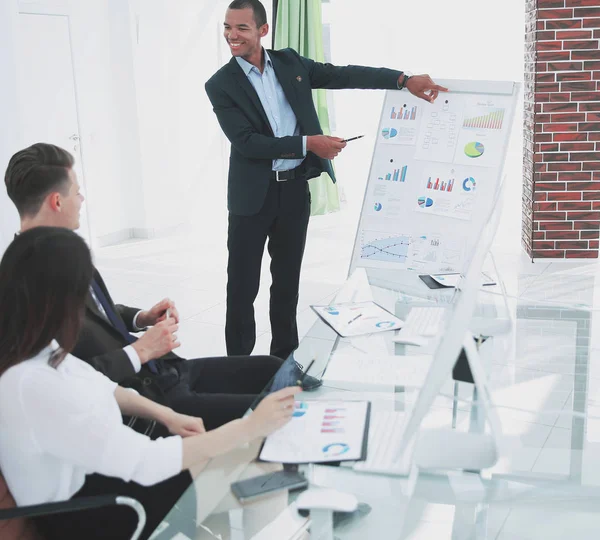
244, 83
288, 83
91, 306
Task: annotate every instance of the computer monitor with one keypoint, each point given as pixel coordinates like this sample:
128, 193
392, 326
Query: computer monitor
456, 335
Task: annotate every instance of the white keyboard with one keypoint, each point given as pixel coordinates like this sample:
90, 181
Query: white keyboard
353, 372
385, 435
423, 321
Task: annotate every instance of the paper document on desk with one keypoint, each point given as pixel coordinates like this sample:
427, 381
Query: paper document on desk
357, 318
321, 432
452, 280
363, 372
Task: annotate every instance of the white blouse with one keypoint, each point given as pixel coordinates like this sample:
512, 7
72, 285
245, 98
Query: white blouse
57, 425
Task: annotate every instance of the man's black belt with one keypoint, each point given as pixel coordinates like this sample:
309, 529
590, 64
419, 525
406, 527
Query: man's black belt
292, 174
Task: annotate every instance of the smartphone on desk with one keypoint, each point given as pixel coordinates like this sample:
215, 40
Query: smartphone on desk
247, 490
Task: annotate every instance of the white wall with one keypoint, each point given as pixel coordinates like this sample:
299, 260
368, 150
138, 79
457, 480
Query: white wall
153, 153
106, 131
154, 156
176, 49
9, 133
124, 104
458, 39
103, 128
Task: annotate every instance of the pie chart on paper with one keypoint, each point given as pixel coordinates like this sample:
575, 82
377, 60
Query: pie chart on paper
469, 184
389, 133
474, 149
425, 202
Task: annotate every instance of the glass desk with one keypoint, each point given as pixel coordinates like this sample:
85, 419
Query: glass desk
544, 376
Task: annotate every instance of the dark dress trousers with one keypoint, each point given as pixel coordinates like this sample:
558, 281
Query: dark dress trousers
261, 208
216, 389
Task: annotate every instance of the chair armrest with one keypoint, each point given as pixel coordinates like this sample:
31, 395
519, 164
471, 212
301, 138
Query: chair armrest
75, 505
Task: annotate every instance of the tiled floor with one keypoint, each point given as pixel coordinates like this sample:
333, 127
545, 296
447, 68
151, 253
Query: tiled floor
191, 269
556, 363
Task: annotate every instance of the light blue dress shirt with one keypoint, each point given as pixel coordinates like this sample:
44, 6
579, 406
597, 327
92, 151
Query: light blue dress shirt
281, 117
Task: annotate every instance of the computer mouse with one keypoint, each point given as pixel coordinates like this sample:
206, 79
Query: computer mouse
417, 341
326, 499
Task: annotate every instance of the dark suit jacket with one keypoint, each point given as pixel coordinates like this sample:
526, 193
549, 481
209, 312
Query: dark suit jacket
101, 345
245, 123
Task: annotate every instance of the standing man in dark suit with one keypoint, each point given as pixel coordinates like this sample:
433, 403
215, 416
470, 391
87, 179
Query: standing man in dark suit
263, 102
42, 184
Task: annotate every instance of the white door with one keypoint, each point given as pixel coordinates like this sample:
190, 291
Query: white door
47, 89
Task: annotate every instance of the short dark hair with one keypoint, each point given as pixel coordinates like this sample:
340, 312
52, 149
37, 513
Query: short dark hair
45, 275
34, 173
260, 14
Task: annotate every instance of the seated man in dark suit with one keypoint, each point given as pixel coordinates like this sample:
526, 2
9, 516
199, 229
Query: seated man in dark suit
42, 184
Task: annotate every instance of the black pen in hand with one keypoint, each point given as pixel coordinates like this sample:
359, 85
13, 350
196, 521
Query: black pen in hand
353, 138
301, 379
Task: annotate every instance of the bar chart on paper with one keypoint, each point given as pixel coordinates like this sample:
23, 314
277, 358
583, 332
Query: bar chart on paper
403, 113
490, 120
396, 175
440, 185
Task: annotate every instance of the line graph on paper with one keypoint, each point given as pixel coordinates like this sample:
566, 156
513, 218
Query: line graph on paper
378, 246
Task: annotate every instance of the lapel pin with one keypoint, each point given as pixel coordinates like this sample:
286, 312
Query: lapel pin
298, 78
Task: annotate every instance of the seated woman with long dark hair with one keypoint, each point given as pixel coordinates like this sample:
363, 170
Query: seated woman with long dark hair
61, 430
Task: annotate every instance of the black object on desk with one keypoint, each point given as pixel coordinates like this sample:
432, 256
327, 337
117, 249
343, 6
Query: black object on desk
432, 283
461, 371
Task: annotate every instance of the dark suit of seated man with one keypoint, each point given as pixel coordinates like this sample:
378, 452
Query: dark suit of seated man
41, 182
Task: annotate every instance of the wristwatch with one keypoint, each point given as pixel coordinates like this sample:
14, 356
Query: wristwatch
404, 79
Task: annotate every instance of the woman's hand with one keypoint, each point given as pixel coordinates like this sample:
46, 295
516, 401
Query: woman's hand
184, 425
274, 411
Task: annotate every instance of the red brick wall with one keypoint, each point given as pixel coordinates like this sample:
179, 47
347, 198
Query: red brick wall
561, 185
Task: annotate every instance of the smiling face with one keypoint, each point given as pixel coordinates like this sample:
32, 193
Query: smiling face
242, 34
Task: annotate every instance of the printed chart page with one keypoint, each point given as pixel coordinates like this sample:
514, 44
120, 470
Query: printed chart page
433, 179
358, 318
320, 432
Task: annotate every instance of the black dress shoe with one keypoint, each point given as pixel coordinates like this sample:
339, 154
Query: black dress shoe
308, 383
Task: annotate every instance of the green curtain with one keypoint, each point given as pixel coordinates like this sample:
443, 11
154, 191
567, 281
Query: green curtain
299, 26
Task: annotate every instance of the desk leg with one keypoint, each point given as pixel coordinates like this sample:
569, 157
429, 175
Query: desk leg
470, 521
580, 393
321, 525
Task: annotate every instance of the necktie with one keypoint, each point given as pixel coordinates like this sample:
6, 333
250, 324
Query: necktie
116, 321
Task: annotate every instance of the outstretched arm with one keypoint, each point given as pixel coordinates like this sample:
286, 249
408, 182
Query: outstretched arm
363, 77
